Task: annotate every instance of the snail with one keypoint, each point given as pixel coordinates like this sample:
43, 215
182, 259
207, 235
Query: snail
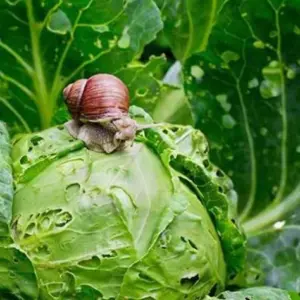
99, 107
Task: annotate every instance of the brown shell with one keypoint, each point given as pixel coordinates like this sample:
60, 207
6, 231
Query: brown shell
100, 96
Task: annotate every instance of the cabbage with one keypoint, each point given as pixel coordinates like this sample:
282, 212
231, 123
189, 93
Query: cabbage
152, 222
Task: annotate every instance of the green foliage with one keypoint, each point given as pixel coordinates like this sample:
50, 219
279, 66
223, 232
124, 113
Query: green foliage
158, 221
244, 92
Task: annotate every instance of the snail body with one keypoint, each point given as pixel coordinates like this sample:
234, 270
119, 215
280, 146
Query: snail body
99, 107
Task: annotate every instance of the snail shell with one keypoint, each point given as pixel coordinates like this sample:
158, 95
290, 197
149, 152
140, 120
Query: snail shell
100, 96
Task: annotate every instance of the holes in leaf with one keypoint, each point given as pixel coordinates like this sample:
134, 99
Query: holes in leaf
183, 239
193, 245
231, 276
30, 149
45, 223
247, 298
30, 229
63, 219
24, 160
166, 131
92, 263
220, 190
213, 290
60, 127
110, 255
145, 277
174, 129
219, 173
233, 221
189, 281
72, 190
141, 92
15, 260
36, 140
206, 163
42, 250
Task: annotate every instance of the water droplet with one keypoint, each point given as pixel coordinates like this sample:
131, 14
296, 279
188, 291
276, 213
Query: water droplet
244, 14
228, 121
197, 72
229, 56
298, 149
291, 73
178, 23
273, 34
101, 28
296, 30
271, 86
222, 99
253, 83
98, 43
259, 44
263, 131
124, 41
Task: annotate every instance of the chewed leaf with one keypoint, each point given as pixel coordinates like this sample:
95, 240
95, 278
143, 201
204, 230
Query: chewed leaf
185, 150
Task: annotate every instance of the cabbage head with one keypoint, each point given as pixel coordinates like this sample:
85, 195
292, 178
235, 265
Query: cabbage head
152, 222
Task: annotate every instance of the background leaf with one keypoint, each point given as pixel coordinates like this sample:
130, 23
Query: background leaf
273, 255
244, 91
46, 44
188, 24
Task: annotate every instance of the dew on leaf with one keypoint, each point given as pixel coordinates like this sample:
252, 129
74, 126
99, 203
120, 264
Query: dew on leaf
197, 72
296, 30
263, 131
222, 99
298, 149
259, 44
101, 28
229, 56
291, 73
273, 34
228, 121
124, 41
253, 83
98, 43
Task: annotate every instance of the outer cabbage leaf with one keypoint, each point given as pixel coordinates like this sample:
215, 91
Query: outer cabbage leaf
46, 44
6, 184
18, 280
94, 224
186, 151
244, 91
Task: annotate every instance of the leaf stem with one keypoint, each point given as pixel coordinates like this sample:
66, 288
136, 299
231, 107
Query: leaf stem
16, 113
273, 213
283, 178
18, 58
44, 105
